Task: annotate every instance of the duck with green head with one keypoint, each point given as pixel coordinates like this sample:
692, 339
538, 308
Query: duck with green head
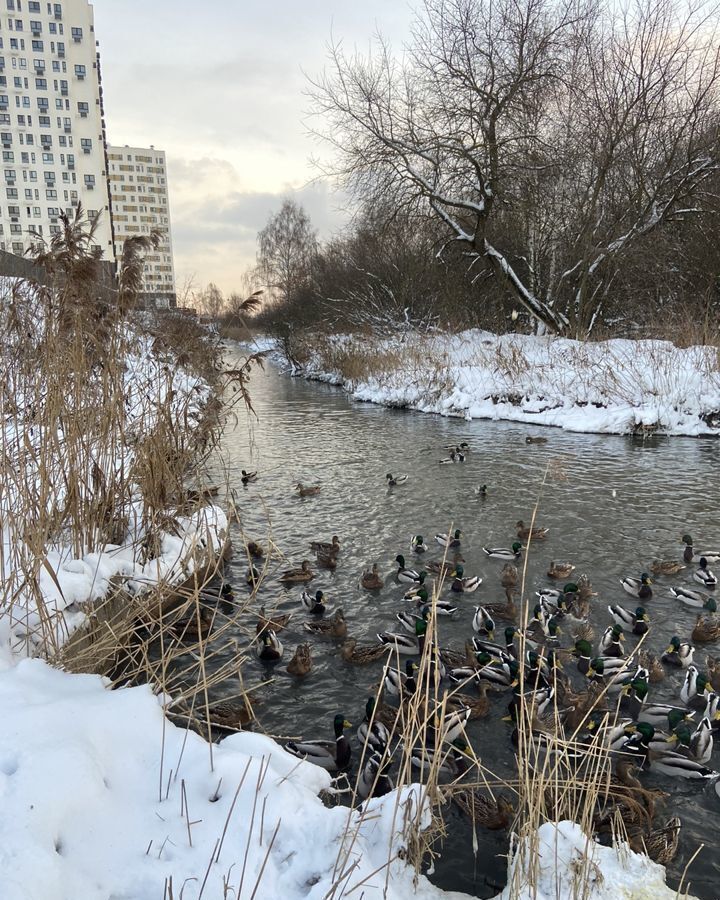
463, 584
329, 755
611, 641
504, 552
635, 623
409, 576
638, 587
689, 555
449, 540
678, 653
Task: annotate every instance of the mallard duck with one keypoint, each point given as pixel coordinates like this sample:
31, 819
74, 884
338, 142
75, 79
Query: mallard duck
689, 555
400, 684
483, 622
660, 844
701, 742
560, 570
254, 549
638, 587
330, 755
635, 623
462, 584
664, 715
611, 642
248, 477
302, 661
307, 490
314, 604
650, 662
394, 481
695, 687
371, 731
480, 490
713, 667
707, 629
507, 610
252, 576
292, 576
524, 532
509, 577
633, 694
677, 766
198, 624
409, 576
678, 653
503, 552
405, 643
326, 547
408, 619
463, 446
479, 707
704, 576
373, 779
361, 656
371, 580
449, 540
326, 560
495, 814
452, 724
417, 594
334, 627
665, 567
695, 599
275, 623
535, 440
269, 648
444, 567
446, 763
418, 544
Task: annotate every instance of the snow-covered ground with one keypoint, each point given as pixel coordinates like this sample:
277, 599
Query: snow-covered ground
617, 386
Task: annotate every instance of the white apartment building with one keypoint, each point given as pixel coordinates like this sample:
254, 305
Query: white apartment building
51, 122
139, 198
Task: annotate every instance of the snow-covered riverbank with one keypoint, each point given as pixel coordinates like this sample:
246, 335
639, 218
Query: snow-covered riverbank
616, 387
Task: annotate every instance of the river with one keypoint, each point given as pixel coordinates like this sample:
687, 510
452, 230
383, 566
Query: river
612, 505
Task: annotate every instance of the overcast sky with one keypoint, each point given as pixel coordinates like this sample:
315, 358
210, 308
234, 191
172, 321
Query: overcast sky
218, 85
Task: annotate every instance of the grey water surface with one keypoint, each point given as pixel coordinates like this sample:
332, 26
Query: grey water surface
612, 504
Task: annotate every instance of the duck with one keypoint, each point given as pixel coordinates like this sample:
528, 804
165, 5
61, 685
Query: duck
196, 625
524, 532
678, 766
704, 576
497, 651
275, 623
372, 732
479, 707
660, 844
292, 576
400, 684
252, 576
483, 622
666, 567
361, 656
694, 688
373, 779
638, 587
611, 642
689, 555
635, 623
334, 627
452, 724
701, 742
254, 549
405, 643
449, 540
408, 619
326, 560
535, 440
678, 653
664, 715
706, 630
417, 594
444, 567
326, 547
443, 607
329, 755
695, 599
444, 763
418, 544
509, 577
461, 584
371, 579
269, 648
650, 662
507, 610
314, 604
633, 694
309, 490
463, 446
503, 552
495, 813
480, 490
393, 481
302, 661
713, 667
560, 570
248, 477
409, 576
447, 460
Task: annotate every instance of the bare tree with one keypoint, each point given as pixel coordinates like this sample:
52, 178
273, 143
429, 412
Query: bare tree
548, 136
286, 247
211, 302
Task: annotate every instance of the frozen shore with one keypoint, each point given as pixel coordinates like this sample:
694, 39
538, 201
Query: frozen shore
614, 387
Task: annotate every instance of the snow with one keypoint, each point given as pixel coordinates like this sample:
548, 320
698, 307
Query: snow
614, 387
97, 793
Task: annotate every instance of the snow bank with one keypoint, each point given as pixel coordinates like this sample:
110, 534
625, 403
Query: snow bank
616, 387
609, 875
102, 799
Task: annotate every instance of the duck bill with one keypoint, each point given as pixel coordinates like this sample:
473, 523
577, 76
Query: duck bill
347, 724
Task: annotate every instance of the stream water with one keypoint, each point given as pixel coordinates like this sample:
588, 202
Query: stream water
612, 504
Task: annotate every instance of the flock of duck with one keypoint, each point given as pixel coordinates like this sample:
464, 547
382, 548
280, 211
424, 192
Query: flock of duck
608, 698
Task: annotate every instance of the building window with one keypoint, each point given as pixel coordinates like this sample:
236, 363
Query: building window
86, 144
48, 158
90, 182
8, 156
51, 194
38, 46
41, 84
33, 6
35, 27
84, 109
77, 34
80, 72
12, 193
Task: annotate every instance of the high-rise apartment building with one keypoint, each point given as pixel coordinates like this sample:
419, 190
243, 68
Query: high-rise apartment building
51, 122
139, 198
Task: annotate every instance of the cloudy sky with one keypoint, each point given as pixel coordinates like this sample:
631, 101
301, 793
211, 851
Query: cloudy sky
218, 85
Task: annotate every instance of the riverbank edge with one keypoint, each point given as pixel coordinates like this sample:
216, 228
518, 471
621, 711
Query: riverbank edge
618, 387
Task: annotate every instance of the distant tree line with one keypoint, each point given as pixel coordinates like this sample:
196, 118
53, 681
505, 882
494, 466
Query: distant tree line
555, 158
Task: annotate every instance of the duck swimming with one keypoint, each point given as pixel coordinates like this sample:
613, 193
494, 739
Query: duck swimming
504, 552
329, 755
638, 587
